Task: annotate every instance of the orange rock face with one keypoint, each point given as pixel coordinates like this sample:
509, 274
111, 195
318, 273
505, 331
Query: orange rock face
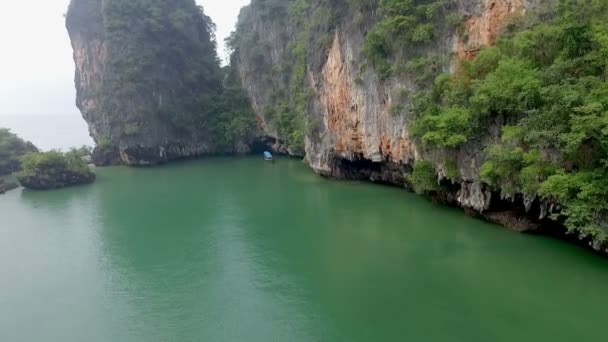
361, 125
485, 29
343, 116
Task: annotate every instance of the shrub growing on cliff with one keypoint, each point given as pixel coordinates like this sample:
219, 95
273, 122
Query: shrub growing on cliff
513, 88
51, 170
424, 177
12, 148
446, 127
584, 196
233, 122
405, 23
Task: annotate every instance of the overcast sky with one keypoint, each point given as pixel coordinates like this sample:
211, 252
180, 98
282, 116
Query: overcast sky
36, 66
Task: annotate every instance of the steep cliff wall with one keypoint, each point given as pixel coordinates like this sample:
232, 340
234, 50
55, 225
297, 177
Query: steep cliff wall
360, 111
358, 108
351, 104
148, 79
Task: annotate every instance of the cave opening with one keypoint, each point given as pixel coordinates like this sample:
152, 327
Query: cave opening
261, 144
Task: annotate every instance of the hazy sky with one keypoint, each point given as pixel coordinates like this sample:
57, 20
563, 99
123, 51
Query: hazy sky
36, 66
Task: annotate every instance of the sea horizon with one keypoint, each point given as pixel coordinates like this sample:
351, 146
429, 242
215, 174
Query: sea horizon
49, 131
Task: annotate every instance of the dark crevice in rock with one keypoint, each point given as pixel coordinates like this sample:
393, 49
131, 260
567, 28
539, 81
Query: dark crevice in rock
512, 213
447, 195
276, 146
264, 143
363, 169
106, 156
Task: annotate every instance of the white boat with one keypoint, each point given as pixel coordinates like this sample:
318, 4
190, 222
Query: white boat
267, 156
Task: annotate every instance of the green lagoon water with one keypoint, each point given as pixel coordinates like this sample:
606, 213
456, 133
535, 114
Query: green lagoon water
242, 250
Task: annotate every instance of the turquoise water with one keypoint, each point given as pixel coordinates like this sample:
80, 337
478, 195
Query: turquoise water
241, 250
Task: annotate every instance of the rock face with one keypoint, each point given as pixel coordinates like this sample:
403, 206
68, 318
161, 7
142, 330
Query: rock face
7, 186
57, 180
54, 170
355, 133
147, 77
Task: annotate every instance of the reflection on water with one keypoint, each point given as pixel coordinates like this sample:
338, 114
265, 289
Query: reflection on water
241, 250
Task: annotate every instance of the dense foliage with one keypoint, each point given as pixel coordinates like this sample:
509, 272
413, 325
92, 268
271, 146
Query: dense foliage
546, 83
405, 25
12, 148
233, 121
161, 84
162, 52
51, 170
423, 178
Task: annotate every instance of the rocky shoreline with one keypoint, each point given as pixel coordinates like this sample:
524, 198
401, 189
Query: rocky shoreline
6, 186
512, 214
64, 179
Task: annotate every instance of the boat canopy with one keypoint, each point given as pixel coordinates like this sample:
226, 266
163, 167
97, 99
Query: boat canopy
267, 154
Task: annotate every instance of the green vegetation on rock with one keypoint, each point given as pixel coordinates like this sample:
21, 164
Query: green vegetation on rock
423, 178
233, 122
137, 63
12, 148
105, 153
405, 24
158, 88
545, 83
52, 170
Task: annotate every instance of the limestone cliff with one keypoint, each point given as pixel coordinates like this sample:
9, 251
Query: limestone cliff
147, 77
356, 107
358, 124
351, 103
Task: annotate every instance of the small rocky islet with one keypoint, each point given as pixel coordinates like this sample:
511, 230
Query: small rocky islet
41, 170
54, 170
